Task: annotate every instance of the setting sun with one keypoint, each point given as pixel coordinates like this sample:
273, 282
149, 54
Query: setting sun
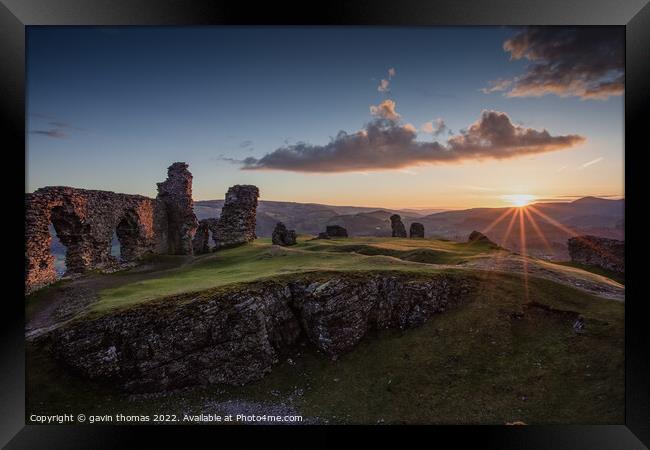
518, 200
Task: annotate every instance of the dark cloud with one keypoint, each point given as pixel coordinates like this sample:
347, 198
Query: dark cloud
53, 133
495, 136
386, 144
57, 129
585, 62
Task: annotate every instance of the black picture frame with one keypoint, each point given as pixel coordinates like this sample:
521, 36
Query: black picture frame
15, 15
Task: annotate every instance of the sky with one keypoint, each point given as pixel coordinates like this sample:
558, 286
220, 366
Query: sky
369, 116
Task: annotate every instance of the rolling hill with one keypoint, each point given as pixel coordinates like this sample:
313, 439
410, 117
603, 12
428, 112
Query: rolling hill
547, 226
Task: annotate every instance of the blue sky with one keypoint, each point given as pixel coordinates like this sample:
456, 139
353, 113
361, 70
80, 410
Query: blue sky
111, 108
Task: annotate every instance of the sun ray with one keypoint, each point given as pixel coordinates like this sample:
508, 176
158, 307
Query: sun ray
569, 231
552, 221
496, 221
504, 239
524, 251
538, 230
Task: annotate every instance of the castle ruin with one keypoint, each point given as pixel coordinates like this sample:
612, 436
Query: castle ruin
85, 222
597, 251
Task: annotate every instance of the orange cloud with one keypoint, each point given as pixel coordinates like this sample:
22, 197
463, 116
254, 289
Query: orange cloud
385, 110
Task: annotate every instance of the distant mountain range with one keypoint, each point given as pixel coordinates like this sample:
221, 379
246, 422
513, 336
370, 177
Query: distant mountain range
556, 222
312, 218
547, 226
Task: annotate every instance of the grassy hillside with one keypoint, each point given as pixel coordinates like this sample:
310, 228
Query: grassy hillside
496, 359
616, 276
260, 260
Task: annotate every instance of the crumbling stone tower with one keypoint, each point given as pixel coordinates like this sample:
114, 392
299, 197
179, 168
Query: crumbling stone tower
176, 194
416, 230
236, 224
398, 226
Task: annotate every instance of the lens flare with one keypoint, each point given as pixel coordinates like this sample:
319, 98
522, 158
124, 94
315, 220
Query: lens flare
518, 200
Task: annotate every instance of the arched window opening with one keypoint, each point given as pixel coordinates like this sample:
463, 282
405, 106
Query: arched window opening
127, 234
66, 233
58, 250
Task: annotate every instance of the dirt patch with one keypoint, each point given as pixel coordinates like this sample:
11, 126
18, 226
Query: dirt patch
58, 303
579, 279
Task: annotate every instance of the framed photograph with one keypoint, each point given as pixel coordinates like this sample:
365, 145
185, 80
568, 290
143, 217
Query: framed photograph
397, 218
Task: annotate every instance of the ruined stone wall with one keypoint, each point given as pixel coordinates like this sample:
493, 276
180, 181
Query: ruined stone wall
397, 226
176, 193
236, 224
283, 236
84, 221
416, 230
597, 251
201, 240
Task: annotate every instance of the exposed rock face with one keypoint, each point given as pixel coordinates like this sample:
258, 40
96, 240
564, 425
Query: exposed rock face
282, 236
477, 236
416, 230
235, 335
398, 227
336, 231
237, 221
176, 194
201, 240
84, 221
597, 251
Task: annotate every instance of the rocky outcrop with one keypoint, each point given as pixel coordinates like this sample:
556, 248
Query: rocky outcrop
333, 231
336, 231
597, 251
234, 335
282, 236
201, 240
236, 224
176, 194
85, 221
416, 230
398, 226
477, 236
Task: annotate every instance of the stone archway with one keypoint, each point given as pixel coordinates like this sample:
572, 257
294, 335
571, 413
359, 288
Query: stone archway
70, 231
128, 231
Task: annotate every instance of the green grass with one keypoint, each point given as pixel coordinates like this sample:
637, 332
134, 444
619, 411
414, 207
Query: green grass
474, 364
481, 362
616, 276
260, 260
477, 363
430, 251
